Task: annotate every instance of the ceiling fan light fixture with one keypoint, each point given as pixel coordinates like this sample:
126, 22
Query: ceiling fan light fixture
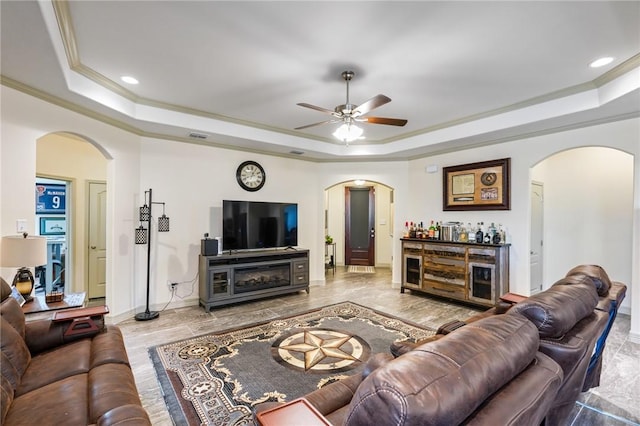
348, 132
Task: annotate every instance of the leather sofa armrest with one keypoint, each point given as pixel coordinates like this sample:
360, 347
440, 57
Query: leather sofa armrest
402, 347
42, 335
377, 360
125, 415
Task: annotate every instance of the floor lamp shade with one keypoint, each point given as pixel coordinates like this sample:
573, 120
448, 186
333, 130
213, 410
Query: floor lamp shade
23, 252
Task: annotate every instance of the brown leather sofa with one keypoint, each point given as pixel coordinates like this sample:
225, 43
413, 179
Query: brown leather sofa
488, 373
573, 317
52, 379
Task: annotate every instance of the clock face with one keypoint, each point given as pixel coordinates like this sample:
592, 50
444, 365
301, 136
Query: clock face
250, 175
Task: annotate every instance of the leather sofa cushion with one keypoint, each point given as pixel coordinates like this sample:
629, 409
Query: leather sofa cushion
525, 400
456, 374
15, 356
556, 310
11, 311
597, 274
57, 364
60, 403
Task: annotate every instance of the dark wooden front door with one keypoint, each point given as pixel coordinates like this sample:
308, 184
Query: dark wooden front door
360, 226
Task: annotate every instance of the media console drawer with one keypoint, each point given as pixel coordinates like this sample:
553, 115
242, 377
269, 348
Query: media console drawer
244, 276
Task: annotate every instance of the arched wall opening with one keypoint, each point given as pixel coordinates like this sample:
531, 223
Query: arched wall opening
83, 163
334, 219
588, 211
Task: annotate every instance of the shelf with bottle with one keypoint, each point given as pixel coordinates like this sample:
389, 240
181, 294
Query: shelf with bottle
457, 232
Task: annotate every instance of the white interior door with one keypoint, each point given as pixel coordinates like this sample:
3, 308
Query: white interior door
97, 270
537, 232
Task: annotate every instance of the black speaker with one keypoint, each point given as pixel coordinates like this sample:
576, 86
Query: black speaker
209, 247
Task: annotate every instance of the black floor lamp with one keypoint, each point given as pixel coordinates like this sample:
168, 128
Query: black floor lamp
143, 236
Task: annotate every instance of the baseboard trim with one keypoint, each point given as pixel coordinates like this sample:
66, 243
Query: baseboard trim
634, 337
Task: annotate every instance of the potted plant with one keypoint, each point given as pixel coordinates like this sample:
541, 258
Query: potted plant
328, 239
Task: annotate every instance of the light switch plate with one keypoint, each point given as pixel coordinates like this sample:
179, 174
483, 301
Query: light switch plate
21, 225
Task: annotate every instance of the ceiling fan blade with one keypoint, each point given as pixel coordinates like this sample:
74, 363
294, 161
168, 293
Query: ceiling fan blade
317, 108
383, 120
318, 124
370, 104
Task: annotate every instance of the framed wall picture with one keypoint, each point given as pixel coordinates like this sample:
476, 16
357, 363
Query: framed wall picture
50, 198
53, 225
477, 186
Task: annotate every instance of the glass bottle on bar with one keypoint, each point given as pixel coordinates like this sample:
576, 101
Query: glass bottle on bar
479, 234
472, 233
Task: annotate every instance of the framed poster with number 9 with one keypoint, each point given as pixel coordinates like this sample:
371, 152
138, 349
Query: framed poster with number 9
51, 198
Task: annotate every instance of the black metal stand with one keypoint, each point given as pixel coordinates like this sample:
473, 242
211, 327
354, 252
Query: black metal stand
147, 314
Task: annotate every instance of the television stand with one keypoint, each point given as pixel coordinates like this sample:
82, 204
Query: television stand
242, 276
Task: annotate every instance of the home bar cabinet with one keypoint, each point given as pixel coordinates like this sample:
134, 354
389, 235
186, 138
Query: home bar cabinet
469, 272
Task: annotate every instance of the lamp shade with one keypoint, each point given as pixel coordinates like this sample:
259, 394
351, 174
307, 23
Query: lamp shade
348, 132
20, 251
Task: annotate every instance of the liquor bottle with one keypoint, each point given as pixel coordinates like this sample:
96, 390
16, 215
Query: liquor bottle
493, 232
503, 234
479, 234
437, 234
472, 233
406, 229
463, 236
432, 230
412, 230
487, 235
496, 238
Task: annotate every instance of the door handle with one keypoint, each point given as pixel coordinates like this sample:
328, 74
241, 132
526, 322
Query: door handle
373, 233
93, 247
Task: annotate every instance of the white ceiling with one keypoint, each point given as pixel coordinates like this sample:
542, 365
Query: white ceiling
461, 73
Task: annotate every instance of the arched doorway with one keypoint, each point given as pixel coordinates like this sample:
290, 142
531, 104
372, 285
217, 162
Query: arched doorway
83, 165
335, 219
587, 211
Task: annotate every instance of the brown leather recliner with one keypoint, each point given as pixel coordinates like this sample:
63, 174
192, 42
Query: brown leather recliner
51, 379
572, 316
569, 326
490, 372
611, 293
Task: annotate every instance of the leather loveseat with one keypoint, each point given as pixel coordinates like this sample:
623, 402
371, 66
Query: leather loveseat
52, 379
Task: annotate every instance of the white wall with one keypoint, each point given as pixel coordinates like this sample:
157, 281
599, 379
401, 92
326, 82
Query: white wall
588, 211
26, 119
194, 179
426, 202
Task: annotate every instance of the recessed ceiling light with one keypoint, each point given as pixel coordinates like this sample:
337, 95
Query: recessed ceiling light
129, 80
601, 62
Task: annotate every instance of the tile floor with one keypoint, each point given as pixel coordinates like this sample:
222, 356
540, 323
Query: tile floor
615, 402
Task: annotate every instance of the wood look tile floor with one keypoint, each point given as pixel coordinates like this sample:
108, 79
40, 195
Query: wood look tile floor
615, 402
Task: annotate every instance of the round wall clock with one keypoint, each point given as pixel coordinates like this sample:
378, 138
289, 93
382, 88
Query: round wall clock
250, 176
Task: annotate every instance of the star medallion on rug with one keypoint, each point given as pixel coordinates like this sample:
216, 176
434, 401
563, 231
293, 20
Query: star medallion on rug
217, 378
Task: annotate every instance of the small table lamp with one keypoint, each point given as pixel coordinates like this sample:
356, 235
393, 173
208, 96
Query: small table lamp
23, 251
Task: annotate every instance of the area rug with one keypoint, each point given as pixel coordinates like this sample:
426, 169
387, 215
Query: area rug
218, 378
361, 269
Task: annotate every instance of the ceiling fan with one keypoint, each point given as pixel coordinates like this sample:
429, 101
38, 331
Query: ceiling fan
348, 114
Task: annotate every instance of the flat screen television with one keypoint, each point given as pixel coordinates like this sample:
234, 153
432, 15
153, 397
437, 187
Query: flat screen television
252, 225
